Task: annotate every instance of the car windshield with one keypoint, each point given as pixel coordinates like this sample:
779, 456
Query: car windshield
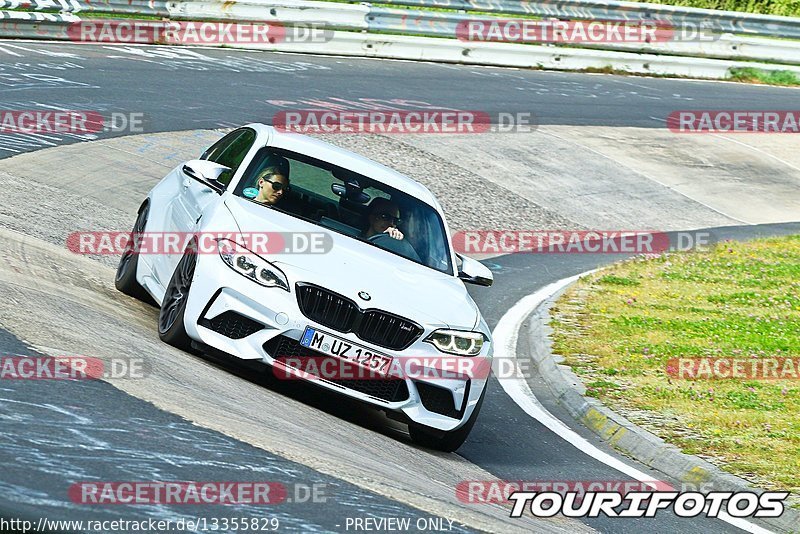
348, 203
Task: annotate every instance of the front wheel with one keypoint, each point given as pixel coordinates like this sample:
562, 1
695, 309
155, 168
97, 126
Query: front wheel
125, 279
171, 328
446, 441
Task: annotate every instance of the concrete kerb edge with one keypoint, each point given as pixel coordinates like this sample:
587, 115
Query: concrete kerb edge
620, 433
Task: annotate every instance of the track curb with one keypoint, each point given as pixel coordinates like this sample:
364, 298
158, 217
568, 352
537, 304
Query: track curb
622, 434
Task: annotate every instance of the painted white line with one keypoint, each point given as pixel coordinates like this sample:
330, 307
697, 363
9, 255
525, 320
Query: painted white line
44, 52
751, 147
505, 336
9, 52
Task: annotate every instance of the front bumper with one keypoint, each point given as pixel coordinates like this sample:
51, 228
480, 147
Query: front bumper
237, 316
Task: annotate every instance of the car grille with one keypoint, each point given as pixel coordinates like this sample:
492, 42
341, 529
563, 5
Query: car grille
387, 330
327, 308
440, 400
233, 325
342, 314
386, 389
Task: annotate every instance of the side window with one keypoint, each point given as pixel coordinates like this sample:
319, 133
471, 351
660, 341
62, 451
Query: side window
216, 150
231, 151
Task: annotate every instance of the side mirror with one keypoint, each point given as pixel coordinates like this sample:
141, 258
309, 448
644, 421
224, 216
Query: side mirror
206, 172
474, 272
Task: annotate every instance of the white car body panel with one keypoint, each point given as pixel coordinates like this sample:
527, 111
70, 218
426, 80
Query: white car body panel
432, 299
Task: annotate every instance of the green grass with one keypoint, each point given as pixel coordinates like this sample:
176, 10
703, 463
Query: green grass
770, 77
617, 280
789, 8
619, 327
771, 7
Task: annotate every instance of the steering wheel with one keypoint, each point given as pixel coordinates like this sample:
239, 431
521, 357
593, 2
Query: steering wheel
398, 246
376, 237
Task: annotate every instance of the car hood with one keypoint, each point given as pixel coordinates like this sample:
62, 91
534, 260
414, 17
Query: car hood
394, 284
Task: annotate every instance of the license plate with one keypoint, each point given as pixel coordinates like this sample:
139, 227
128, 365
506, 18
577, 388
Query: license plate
331, 345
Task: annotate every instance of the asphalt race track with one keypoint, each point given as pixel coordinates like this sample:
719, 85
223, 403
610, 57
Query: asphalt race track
184, 89
218, 420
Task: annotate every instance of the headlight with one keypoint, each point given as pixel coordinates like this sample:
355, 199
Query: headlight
457, 342
251, 266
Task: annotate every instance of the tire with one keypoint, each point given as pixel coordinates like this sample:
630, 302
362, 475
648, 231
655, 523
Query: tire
125, 279
446, 441
171, 328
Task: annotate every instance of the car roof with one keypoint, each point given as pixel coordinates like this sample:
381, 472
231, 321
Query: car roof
344, 158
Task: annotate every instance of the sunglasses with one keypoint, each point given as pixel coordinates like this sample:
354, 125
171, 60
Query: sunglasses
277, 186
391, 218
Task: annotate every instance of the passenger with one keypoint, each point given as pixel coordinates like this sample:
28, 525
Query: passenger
383, 218
272, 183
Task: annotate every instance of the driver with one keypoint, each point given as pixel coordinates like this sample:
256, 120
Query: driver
272, 183
383, 218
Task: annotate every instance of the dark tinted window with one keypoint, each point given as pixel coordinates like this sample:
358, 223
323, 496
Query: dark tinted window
312, 197
231, 151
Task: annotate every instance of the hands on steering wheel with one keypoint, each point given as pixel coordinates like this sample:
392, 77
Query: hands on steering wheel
392, 232
398, 245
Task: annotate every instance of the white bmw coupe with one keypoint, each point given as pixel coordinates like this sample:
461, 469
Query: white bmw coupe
382, 287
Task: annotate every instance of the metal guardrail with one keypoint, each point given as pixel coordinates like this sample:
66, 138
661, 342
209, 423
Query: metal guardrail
677, 16
127, 7
36, 17
439, 24
34, 23
355, 44
333, 14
